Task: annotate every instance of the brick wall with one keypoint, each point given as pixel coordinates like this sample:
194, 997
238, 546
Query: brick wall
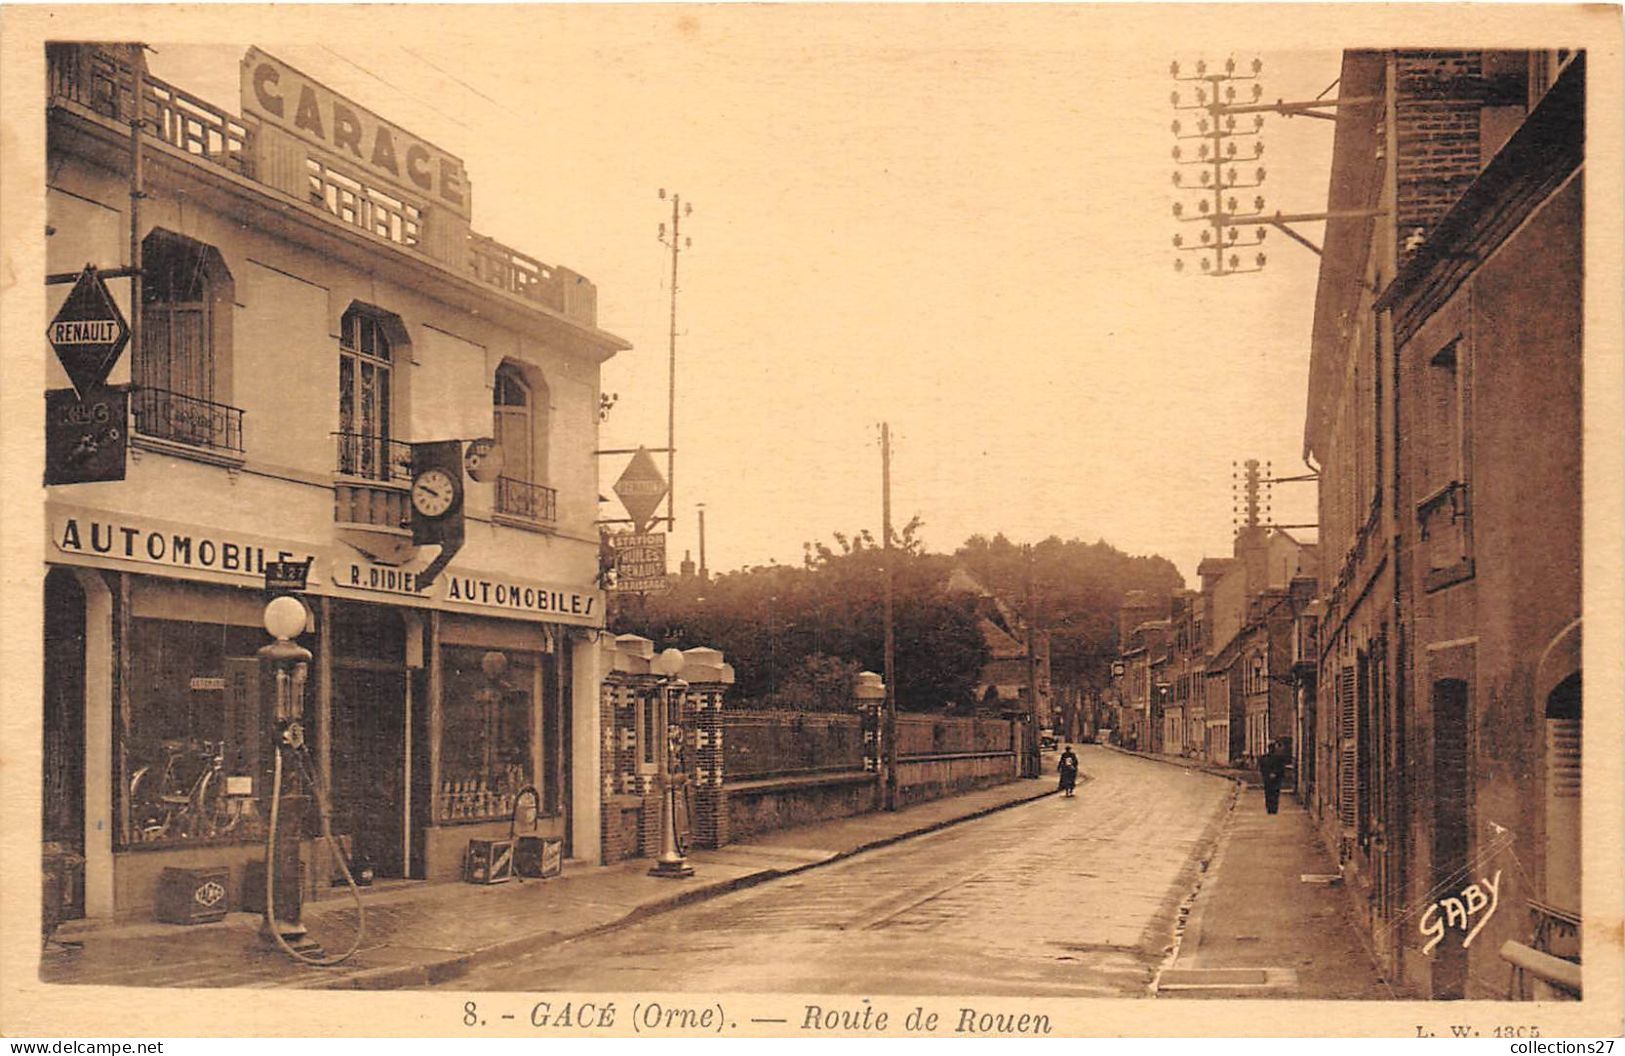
1438, 99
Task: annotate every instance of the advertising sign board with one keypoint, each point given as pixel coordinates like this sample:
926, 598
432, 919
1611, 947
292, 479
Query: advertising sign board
85, 438
88, 332
640, 562
640, 488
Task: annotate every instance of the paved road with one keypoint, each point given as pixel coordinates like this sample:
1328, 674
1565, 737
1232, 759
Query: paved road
1060, 897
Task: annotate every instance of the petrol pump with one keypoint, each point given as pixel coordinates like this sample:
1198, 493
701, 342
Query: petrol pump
285, 668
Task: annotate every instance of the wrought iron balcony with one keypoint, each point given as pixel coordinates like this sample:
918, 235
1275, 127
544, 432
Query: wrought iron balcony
173, 416
528, 502
374, 458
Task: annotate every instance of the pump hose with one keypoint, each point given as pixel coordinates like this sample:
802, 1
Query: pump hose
333, 845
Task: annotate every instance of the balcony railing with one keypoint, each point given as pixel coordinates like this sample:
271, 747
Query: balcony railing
529, 502
363, 205
101, 79
508, 269
373, 458
187, 420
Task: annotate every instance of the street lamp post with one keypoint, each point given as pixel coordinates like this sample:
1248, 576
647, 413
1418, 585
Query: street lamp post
671, 863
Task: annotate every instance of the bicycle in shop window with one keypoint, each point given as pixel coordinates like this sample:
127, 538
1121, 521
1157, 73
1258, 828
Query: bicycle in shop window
187, 798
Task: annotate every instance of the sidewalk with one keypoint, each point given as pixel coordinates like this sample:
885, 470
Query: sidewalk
418, 934
1270, 918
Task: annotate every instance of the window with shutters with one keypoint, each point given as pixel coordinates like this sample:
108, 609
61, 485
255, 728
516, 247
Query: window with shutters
180, 370
519, 411
1444, 513
1364, 741
1563, 795
1347, 748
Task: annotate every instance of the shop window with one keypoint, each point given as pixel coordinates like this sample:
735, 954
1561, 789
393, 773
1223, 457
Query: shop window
180, 368
490, 707
192, 742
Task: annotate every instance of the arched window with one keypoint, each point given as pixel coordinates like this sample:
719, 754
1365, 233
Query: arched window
364, 394
181, 368
513, 427
519, 413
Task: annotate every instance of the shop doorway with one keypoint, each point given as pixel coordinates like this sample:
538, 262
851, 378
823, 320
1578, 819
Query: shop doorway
380, 742
63, 755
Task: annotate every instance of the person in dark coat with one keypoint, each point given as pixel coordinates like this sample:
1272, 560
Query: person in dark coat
1272, 767
1068, 768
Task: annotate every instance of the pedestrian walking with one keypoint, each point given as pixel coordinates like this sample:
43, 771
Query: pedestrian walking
1068, 768
1272, 767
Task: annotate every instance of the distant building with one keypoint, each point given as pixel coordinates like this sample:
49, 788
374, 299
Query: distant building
1004, 680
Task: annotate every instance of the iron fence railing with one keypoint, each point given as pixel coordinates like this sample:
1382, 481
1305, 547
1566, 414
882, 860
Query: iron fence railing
185, 419
527, 501
373, 457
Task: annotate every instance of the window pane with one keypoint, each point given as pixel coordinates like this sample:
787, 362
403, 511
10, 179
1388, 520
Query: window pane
346, 394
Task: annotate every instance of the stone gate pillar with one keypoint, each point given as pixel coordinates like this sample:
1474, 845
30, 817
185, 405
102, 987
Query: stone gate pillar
630, 797
708, 679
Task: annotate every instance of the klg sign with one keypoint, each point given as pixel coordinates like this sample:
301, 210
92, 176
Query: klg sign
85, 438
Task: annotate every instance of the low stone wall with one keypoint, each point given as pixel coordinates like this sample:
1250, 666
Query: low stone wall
755, 807
922, 778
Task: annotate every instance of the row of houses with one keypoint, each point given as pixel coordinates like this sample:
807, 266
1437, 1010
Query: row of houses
1421, 663
1207, 673
1443, 745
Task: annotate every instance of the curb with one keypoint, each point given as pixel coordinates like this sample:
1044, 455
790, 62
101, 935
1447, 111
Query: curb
1215, 841
1186, 764
449, 968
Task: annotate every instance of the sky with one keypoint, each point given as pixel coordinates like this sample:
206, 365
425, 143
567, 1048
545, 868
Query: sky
954, 220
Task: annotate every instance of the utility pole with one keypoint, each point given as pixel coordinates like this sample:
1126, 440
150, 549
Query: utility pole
138, 191
1215, 104
678, 244
1031, 761
889, 736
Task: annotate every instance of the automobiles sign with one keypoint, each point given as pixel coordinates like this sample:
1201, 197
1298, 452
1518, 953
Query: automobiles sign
88, 332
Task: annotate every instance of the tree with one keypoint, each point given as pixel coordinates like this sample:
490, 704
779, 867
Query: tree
771, 622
